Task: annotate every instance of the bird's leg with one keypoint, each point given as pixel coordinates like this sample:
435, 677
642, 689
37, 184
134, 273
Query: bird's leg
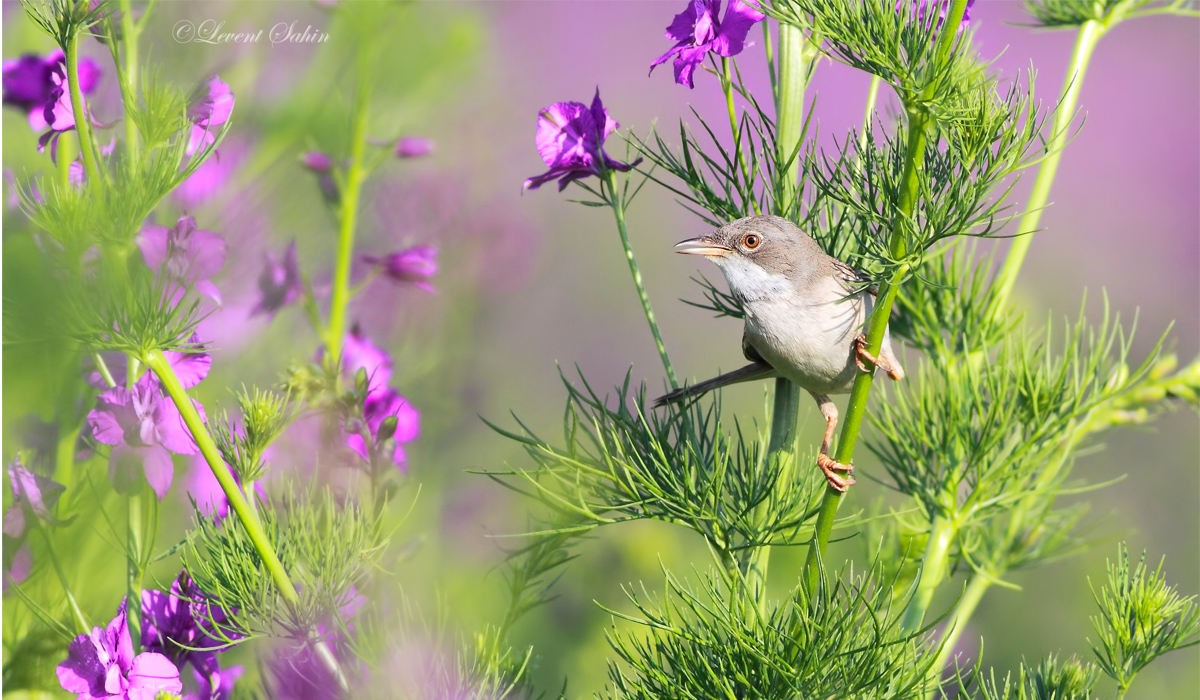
829, 467
860, 354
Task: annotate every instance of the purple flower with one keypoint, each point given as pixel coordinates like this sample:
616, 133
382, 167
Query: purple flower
570, 139
101, 666
33, 495
416, 265
918, 8
143, 428
30, 85
376, 409
212, 175
17, 565
279, 282
218, 686
413, 147
211, 108
322, 165
183, 627
191, 255
203, 487
698, 31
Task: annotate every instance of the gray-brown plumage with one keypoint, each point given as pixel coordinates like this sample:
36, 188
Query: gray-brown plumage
804, 313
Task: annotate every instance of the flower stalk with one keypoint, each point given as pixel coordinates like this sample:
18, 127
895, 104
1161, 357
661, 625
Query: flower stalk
83, 124
934, 565
609, 181
130, 30
158, 363
1085, 43
918, 126
348, 213
795, 55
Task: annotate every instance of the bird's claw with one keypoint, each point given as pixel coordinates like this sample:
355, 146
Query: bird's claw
830, 468
861, 353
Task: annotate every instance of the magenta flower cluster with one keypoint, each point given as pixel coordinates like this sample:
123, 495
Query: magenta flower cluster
382, 401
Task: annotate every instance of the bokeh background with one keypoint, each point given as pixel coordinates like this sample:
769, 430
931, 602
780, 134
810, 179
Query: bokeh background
531, 283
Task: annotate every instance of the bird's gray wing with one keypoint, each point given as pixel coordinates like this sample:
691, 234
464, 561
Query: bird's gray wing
853, 279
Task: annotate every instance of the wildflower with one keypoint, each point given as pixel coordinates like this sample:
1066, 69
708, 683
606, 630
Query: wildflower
358, 352
181, 626
918, 7
58, 114
279, 282
143, 428
211, 108
413, 147
570, 139
218, 686
101, 666
416, 265
203, 487
29, 84
17, 565
191, 255
33, 495
407, 425
698, 31
212, 175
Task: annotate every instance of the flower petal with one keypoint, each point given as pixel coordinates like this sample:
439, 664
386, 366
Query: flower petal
158, 468
739, 18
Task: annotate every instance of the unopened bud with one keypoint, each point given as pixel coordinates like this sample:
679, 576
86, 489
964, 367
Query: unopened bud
386, 429
361, 381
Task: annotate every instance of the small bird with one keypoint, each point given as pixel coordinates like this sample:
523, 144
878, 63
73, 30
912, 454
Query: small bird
804, 312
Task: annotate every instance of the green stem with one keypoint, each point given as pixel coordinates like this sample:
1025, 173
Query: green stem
781, 458
795, 53
766, 27
83, 124
1085, 42
129, 75
158, 364
66, 155
195, 425
914, 163
934, 566
727, 88
618, 207
355, 175
872, 95
133, 565
976, 587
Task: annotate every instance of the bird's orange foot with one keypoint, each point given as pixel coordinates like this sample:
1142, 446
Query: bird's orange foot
860, 354
830, 469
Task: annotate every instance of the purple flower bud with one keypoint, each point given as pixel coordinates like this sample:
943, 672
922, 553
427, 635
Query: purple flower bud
317, 162
102, 665
279, 283
570, 139
413, 147
412, 265
698, 31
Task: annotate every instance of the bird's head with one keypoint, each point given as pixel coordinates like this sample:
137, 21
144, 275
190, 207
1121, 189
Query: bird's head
761, 256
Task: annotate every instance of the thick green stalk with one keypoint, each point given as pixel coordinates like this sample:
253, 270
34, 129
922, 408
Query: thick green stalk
795, 53
83, 124
195, 425
158, 364
618, 207
934, 566
914, 163
976, 587
781, 456
129, 74
1085, 42
133, 564
348, 215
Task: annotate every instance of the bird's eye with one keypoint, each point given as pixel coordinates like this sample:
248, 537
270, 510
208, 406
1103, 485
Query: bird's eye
751, 240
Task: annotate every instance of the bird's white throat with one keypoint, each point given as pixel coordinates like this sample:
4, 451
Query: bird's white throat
749, 282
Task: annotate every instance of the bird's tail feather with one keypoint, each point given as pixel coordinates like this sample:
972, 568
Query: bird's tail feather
748, 373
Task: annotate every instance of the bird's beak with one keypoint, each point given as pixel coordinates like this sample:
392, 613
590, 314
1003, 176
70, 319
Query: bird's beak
702, 246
